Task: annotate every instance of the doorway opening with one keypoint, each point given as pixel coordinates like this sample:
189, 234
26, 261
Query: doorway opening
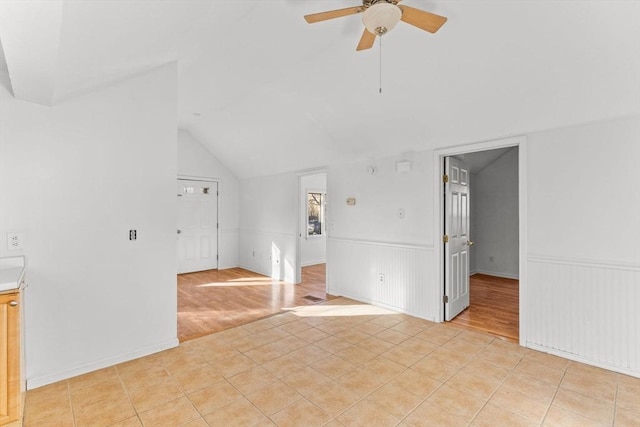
482, 220
312, 228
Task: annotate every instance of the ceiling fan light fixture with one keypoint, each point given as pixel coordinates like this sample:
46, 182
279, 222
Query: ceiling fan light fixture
380, 18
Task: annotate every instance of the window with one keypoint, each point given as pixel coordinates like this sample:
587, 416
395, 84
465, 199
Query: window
315, 213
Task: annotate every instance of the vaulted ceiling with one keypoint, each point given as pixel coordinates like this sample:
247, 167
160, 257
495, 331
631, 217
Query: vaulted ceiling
266, 92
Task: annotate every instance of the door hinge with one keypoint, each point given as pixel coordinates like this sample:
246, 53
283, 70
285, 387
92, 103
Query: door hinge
217, 257
217, 225
445, 299
445, 239
445, 178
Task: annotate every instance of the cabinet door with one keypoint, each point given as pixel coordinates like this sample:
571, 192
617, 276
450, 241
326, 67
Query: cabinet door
9, 357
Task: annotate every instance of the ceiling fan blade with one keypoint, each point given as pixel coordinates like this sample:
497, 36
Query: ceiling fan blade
424, 20
323, 16
366, 41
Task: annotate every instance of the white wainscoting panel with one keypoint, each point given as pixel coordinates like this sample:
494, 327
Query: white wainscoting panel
354, 268
587, 311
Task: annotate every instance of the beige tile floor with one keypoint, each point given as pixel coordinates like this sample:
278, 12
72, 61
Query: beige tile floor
341, 364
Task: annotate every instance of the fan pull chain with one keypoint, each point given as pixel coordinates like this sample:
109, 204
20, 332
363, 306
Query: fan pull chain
380, 90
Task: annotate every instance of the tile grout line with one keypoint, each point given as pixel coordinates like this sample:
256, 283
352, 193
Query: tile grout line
499, 385
615, 401
73, 409
553, 398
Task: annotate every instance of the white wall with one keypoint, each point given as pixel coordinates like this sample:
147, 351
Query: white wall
583, 205
584, 187
268, 212
195, 161
583, 239
313, 249
378, 199
370, 239
494, 201
75, 178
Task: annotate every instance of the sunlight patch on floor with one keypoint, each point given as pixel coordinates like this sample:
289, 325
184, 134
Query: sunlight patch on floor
339, 310
251, 283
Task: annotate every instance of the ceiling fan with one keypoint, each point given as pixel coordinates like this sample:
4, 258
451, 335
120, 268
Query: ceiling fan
380, 16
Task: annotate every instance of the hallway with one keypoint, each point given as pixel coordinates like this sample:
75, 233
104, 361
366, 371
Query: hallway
493, 307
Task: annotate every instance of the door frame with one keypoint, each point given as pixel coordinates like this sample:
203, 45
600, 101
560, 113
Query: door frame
205, 179
438, 232
301, 208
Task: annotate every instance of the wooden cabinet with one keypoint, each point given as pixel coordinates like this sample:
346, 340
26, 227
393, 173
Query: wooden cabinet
10, 389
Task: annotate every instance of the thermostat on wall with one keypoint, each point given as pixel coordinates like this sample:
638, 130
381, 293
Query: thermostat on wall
351, 201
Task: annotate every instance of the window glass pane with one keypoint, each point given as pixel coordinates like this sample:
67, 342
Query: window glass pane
315, 213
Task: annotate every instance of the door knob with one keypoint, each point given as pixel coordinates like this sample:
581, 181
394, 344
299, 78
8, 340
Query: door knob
13, 303
179, 231
469, 243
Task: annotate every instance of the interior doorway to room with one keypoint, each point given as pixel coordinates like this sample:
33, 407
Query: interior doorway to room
481, 241
313, 225
197, 227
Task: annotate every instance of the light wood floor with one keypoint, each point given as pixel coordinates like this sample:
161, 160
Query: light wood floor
215, 300
494, 307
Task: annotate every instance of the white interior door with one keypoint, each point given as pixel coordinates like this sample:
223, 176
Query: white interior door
197, 226
456, 237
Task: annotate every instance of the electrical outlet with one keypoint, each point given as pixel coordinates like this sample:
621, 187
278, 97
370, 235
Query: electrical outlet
133, 234
401, 213
380, 278
14, 241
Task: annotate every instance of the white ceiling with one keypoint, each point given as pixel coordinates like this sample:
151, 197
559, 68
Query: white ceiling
477, 161
266, 92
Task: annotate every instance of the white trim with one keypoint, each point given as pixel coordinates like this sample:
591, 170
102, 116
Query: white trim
497, 274
439, 154
577, 358
312, 171
595, 263
522, 239
300, 207
104, 363
197, 178
381, 243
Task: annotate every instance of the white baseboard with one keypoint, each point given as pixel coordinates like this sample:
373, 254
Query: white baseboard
104, 363
227, 266
498, 274
380, 304
586, 361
